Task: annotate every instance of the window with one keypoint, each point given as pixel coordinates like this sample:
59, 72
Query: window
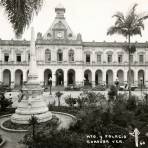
141, 59
131, 58
60, 55
71, 56
120, 58
47, 55
18, 57
6, 57
87, 58
98, 58
109, 58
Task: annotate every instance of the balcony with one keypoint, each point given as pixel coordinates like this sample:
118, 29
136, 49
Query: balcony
93, 63
23, 63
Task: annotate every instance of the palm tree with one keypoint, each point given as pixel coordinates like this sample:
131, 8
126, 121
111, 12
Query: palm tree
20, 13
128, 26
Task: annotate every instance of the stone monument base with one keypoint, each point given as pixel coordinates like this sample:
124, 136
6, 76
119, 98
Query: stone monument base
32, 106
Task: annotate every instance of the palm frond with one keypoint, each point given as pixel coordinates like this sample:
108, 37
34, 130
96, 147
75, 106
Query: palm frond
131, 24
119, 30
20, 13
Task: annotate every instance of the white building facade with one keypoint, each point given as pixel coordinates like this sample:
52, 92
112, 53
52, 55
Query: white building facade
69, 60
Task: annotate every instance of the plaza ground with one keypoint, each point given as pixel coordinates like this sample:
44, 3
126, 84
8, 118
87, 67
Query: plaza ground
52, 98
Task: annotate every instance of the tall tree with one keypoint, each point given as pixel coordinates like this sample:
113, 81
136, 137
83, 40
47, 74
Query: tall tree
128, 26
20, 13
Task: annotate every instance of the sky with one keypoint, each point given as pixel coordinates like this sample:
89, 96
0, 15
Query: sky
91, 18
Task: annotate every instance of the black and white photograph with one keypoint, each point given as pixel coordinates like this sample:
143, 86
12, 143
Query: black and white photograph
73, 74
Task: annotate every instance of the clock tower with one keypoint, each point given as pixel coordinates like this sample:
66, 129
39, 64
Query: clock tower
59, 29
60, 10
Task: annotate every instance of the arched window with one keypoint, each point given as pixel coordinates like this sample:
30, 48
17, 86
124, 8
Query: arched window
71, 55
47, 55
60, 55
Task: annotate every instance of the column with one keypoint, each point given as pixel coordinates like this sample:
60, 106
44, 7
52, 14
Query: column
146, 56
114, 76
146, 77
125, 75
12, 79
104, 76
79, 76
65, 78
93, 78
136, 77
24, 76
1, 76
53, 78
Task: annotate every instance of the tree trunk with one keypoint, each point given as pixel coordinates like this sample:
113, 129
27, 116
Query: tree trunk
58, 101
33, 134
129, 67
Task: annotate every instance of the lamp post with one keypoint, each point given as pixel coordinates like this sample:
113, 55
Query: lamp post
50, 84
117, 85
141, 82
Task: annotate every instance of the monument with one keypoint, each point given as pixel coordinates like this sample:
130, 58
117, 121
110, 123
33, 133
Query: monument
32, 102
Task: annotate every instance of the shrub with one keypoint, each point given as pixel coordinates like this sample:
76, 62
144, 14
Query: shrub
112, 93
4, 103
123, 118
99, 88
131, 103
65, 109
70, 101
57, 139
92, 97
120, 104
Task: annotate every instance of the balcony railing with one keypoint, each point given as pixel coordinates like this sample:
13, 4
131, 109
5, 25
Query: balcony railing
25, 63
81, 63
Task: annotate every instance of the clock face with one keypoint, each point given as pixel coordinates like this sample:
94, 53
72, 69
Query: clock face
60, 34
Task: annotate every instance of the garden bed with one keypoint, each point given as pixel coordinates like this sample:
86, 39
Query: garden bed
7, 111
64, 109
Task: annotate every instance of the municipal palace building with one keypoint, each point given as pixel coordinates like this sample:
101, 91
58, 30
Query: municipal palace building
68, 60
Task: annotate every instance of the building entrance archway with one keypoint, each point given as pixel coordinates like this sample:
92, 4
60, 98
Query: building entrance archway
18, 77
109, 77
7, 77
59, 77
71, 77
87, 77
141, 77
120, 76
47, 75
132, 77
98, 77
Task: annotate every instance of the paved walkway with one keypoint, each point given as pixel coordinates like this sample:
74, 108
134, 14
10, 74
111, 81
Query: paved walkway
12, 139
